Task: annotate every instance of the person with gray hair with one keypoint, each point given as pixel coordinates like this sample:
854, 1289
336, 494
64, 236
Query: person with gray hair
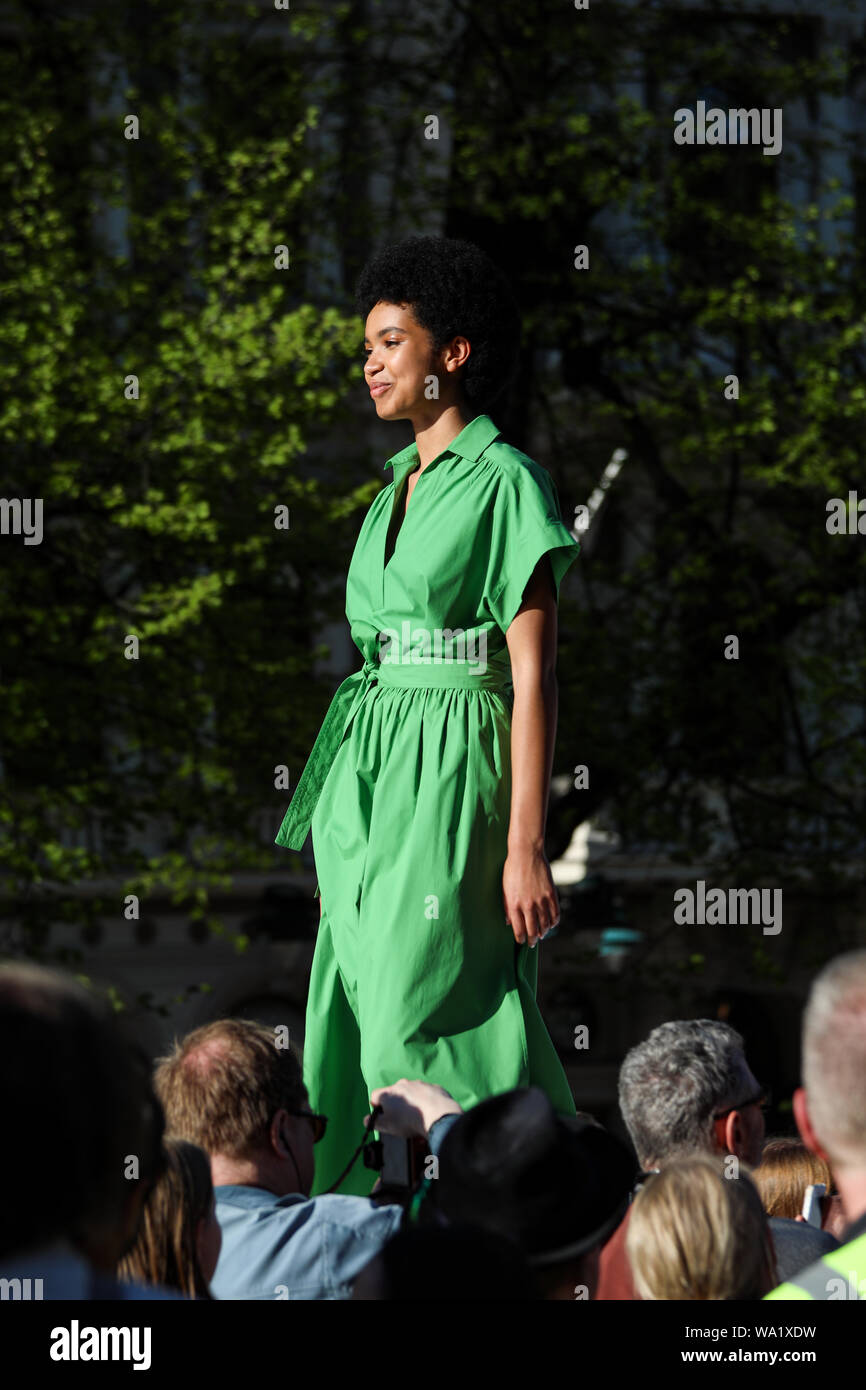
686, 1090
830, 1110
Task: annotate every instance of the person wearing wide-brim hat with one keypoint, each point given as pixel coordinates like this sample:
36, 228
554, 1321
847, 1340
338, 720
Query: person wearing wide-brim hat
556, 1186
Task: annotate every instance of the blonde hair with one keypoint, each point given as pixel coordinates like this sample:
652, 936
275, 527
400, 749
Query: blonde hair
222, 1084
787, 1169
694, 1233
165, 1250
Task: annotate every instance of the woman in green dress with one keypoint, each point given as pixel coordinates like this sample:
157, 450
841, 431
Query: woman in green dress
427, 786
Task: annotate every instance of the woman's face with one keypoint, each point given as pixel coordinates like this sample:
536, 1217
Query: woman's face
400, 361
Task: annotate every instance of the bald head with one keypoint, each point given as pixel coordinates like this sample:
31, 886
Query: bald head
834, 1060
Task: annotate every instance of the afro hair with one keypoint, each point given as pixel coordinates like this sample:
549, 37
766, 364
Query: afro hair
453, 289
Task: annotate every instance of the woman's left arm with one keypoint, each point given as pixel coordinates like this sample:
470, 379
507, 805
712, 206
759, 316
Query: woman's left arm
528, 891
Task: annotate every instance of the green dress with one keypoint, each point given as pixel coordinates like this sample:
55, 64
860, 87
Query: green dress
408, 791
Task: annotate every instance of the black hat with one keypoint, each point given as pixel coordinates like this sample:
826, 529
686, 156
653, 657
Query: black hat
555, 1185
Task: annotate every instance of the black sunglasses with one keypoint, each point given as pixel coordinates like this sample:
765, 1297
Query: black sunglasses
761, 1098
319, 1123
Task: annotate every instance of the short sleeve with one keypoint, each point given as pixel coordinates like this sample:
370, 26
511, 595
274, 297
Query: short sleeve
527, 524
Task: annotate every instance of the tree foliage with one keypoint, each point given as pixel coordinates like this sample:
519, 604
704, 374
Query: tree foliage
171, 395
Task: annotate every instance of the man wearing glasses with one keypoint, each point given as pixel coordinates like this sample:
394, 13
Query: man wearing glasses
688, 1089
230, 1088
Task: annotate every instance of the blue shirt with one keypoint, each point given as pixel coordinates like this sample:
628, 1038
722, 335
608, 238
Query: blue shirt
296, 1247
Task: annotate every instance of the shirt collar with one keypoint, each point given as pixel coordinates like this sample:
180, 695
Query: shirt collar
470, 443
244, 1195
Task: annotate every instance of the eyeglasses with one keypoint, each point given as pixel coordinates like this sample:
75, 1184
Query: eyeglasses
319, 1123
762, 1098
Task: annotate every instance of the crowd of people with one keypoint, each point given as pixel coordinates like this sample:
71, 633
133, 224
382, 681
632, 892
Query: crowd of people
193, 1180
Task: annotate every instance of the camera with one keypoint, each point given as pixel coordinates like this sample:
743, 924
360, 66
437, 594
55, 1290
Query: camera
399, 1161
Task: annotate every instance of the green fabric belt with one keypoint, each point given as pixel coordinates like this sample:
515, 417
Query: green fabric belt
348, 698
